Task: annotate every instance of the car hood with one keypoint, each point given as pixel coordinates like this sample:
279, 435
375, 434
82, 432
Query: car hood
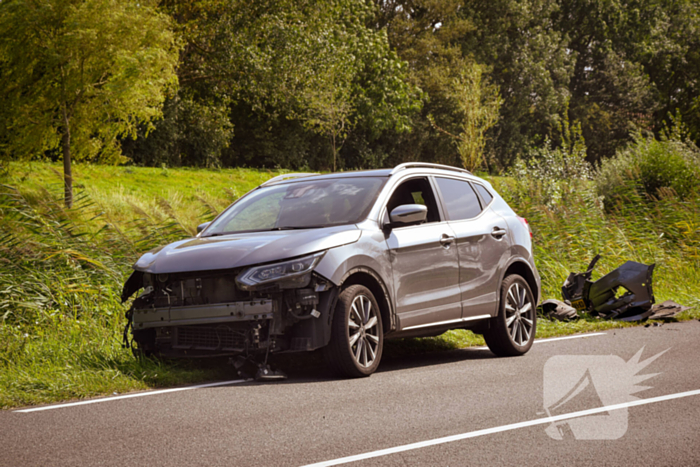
244, 249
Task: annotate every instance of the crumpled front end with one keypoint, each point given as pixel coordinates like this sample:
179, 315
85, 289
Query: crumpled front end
280, 307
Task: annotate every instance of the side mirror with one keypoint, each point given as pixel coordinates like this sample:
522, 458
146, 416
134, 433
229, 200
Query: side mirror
201, 227
408, 214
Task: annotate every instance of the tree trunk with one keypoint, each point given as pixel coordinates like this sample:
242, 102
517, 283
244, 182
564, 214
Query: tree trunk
67, 172
333, 144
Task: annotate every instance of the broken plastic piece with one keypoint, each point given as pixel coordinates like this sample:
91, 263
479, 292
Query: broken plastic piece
622, 289
634, 314
558, 310
667, 310
624, 293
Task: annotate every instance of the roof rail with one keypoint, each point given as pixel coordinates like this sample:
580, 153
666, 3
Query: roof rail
426, 165
282, 177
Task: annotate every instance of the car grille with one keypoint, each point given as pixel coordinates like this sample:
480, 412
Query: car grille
209, 338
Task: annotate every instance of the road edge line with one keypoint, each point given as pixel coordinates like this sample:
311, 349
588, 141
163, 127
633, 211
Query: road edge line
128, 396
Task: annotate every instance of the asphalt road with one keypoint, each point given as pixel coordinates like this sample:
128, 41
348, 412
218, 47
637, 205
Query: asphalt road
311, 418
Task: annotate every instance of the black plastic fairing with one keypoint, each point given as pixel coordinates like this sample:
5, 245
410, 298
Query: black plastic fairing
624, 288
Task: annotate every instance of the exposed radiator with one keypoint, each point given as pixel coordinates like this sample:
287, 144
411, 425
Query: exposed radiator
222, 338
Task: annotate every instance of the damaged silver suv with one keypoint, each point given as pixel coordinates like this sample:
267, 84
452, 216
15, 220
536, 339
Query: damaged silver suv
341, 262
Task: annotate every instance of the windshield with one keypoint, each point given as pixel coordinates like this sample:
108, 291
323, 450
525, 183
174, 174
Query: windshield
301, 205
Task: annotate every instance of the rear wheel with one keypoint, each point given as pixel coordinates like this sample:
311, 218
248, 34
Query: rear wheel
357, 339
512, 332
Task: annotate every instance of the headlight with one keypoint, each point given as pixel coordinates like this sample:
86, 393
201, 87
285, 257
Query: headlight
274, 272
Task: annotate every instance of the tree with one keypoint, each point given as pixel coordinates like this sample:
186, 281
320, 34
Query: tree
520, 50
478, 103
193, 132
611, 93
528, 60
427, 34
673, 63
328, 105
77, 74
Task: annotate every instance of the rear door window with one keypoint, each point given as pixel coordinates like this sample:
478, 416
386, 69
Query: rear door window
459, 198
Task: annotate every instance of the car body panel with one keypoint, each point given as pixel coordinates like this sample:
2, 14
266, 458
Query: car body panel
426, 274
481, 259
368, 256
203, 314
243, 249
368, 252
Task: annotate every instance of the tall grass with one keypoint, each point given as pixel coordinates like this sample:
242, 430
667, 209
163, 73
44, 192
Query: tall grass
61, 270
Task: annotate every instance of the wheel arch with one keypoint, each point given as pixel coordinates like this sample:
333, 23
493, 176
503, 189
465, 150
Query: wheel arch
524, 270
370, 279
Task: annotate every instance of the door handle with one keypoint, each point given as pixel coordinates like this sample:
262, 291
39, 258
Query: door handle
498, 232
446, 240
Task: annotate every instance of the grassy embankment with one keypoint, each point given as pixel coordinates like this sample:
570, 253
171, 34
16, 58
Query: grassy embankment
61, 271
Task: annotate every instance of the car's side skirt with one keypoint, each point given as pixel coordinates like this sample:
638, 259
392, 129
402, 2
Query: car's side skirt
443, 323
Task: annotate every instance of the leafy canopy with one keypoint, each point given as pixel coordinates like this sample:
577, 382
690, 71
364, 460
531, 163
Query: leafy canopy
317, 63
93, 68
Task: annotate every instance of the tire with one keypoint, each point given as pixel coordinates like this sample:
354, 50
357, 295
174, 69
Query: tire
512, 332
357, 337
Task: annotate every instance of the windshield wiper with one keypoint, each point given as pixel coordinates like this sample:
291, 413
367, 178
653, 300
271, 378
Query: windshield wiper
298, 227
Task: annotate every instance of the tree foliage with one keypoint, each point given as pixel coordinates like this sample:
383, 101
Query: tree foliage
77, 74
315, 63
619, 66
479, 104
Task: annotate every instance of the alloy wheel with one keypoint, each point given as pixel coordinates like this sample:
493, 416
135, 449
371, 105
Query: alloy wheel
519, 314
363, 331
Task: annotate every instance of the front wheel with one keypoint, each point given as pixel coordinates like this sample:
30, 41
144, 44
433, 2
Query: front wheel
357, 339
512, 332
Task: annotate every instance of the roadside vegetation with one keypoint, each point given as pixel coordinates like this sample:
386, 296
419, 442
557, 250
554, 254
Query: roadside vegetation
61, 270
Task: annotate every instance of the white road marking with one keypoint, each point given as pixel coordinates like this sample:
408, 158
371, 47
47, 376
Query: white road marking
129, 396
577, 336
550, 339
500, 429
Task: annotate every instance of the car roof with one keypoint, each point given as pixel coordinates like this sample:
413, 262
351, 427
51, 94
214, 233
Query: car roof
410, 168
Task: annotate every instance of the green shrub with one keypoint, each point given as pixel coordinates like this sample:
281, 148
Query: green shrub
651, 168
550, 171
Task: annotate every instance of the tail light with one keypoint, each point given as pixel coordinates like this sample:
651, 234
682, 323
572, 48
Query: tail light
527, 226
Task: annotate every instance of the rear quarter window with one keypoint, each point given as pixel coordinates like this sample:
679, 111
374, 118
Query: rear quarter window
485, 194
